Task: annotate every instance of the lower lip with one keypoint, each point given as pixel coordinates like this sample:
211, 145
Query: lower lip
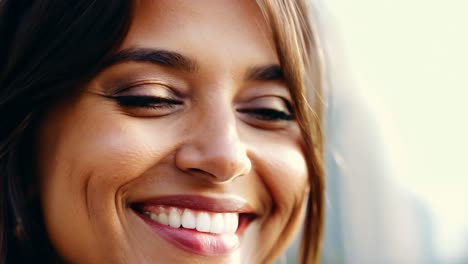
199, 243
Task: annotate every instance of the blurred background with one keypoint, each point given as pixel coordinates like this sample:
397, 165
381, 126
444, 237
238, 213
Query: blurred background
396, 131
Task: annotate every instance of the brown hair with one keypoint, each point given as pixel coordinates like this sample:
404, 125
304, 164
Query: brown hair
48, 49
51, 48
300, 58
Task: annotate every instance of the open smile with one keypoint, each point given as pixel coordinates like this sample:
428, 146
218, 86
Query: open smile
197, 224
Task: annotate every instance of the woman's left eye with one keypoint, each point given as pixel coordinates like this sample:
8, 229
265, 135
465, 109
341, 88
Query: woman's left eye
268, 114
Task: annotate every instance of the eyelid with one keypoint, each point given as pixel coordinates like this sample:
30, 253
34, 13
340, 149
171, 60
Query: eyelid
133, 84
147, 88
268, 112
275, 98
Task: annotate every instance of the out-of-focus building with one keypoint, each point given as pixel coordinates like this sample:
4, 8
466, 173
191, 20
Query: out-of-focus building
370, 218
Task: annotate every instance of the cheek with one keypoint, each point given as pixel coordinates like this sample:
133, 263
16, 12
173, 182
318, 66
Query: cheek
84, 160
105, 149
281, 165
97, 157
285, 173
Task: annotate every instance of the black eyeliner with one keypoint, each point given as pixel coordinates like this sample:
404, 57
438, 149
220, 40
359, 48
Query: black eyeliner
267, 114
145, 101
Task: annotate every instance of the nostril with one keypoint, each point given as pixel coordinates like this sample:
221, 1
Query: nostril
195, 170
217, 165
200, 172
217, 177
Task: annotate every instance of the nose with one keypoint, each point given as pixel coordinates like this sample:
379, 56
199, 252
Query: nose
213, 149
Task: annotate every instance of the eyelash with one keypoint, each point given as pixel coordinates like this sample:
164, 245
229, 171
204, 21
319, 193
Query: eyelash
267, 114
152, 102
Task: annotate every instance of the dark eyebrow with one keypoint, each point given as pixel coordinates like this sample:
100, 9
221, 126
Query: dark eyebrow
265, 73
164, 58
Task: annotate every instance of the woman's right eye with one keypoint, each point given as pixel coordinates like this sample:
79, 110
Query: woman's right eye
148, 106
147, 99
149, 102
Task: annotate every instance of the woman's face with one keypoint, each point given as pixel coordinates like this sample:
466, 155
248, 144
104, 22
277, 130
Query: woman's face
184, 150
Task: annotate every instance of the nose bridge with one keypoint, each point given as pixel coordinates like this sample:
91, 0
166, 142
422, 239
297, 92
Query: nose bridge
220, 138
217, 148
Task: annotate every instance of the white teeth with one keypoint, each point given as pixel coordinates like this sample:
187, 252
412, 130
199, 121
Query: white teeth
174, 218
203, 222
153, 217
231, 222
216, 223
188, 219
163, 219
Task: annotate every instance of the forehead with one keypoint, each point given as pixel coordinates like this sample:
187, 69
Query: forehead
222, 32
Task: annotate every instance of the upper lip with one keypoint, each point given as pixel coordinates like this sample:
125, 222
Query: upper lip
224, 204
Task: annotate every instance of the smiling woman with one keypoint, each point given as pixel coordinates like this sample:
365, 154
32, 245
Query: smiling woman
158, 131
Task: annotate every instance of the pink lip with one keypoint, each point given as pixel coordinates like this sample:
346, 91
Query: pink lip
203, 203
191, 240
196, 242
